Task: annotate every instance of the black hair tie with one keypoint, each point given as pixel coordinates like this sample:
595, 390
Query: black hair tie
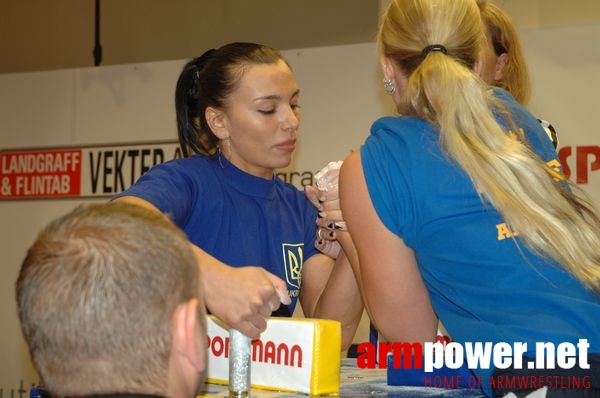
433, 47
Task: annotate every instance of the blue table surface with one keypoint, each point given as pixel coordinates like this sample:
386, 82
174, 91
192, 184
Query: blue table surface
355, 382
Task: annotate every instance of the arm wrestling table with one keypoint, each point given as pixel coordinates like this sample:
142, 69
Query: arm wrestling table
355, 382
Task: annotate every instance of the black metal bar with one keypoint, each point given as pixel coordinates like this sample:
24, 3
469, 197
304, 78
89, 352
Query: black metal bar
97, 46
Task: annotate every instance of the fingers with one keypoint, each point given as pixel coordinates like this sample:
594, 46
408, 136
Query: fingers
332, 224
329, 248
272, 299
330, 215
254, 327
280, 286
254, 322
330, 206
325, 234
313, 195
245, 299
329, 198
324, 201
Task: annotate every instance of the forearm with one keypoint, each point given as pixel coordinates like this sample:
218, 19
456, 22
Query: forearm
216, 275
341, 300
340, 297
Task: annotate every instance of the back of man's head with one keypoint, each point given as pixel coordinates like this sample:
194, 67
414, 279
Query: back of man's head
96, 296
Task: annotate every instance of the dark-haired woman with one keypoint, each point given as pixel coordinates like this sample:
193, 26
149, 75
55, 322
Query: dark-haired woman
238, 118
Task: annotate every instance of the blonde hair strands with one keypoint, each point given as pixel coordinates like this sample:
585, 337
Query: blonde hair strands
445, 90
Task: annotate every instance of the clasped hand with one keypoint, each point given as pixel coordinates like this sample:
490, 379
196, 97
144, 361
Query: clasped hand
324, 196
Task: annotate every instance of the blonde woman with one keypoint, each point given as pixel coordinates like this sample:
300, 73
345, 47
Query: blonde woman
458, 209
504, 63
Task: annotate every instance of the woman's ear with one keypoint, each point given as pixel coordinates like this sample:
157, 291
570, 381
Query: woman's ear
216, 120
478, 67
501, 62
386, 68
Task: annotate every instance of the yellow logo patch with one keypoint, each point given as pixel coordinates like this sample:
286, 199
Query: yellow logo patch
292, 259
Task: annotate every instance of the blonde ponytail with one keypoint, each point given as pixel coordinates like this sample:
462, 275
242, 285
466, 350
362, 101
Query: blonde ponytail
445, 90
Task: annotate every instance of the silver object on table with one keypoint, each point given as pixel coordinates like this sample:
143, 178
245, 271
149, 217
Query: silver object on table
239, 364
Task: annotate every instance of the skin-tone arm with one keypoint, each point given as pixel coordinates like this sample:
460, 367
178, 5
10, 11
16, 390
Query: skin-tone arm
329, 288
395, 295
241, 297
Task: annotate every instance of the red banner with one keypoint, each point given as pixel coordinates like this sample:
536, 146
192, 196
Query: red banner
82, 172
34, 174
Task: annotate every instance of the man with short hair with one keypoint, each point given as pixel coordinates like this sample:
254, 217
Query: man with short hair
110, 302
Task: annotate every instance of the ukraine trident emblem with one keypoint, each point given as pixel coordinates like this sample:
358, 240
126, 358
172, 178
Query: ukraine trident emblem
292, 258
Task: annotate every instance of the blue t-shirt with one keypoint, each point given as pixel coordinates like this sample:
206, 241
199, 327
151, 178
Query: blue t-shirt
484, 285
236, 217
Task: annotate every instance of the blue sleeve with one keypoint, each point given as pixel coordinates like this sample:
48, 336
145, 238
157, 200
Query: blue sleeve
169, 187
388, 185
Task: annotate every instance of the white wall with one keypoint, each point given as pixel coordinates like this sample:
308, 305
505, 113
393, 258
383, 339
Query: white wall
341, 96
565, 68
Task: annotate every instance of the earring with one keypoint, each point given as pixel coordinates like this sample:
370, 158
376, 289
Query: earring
388, 86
